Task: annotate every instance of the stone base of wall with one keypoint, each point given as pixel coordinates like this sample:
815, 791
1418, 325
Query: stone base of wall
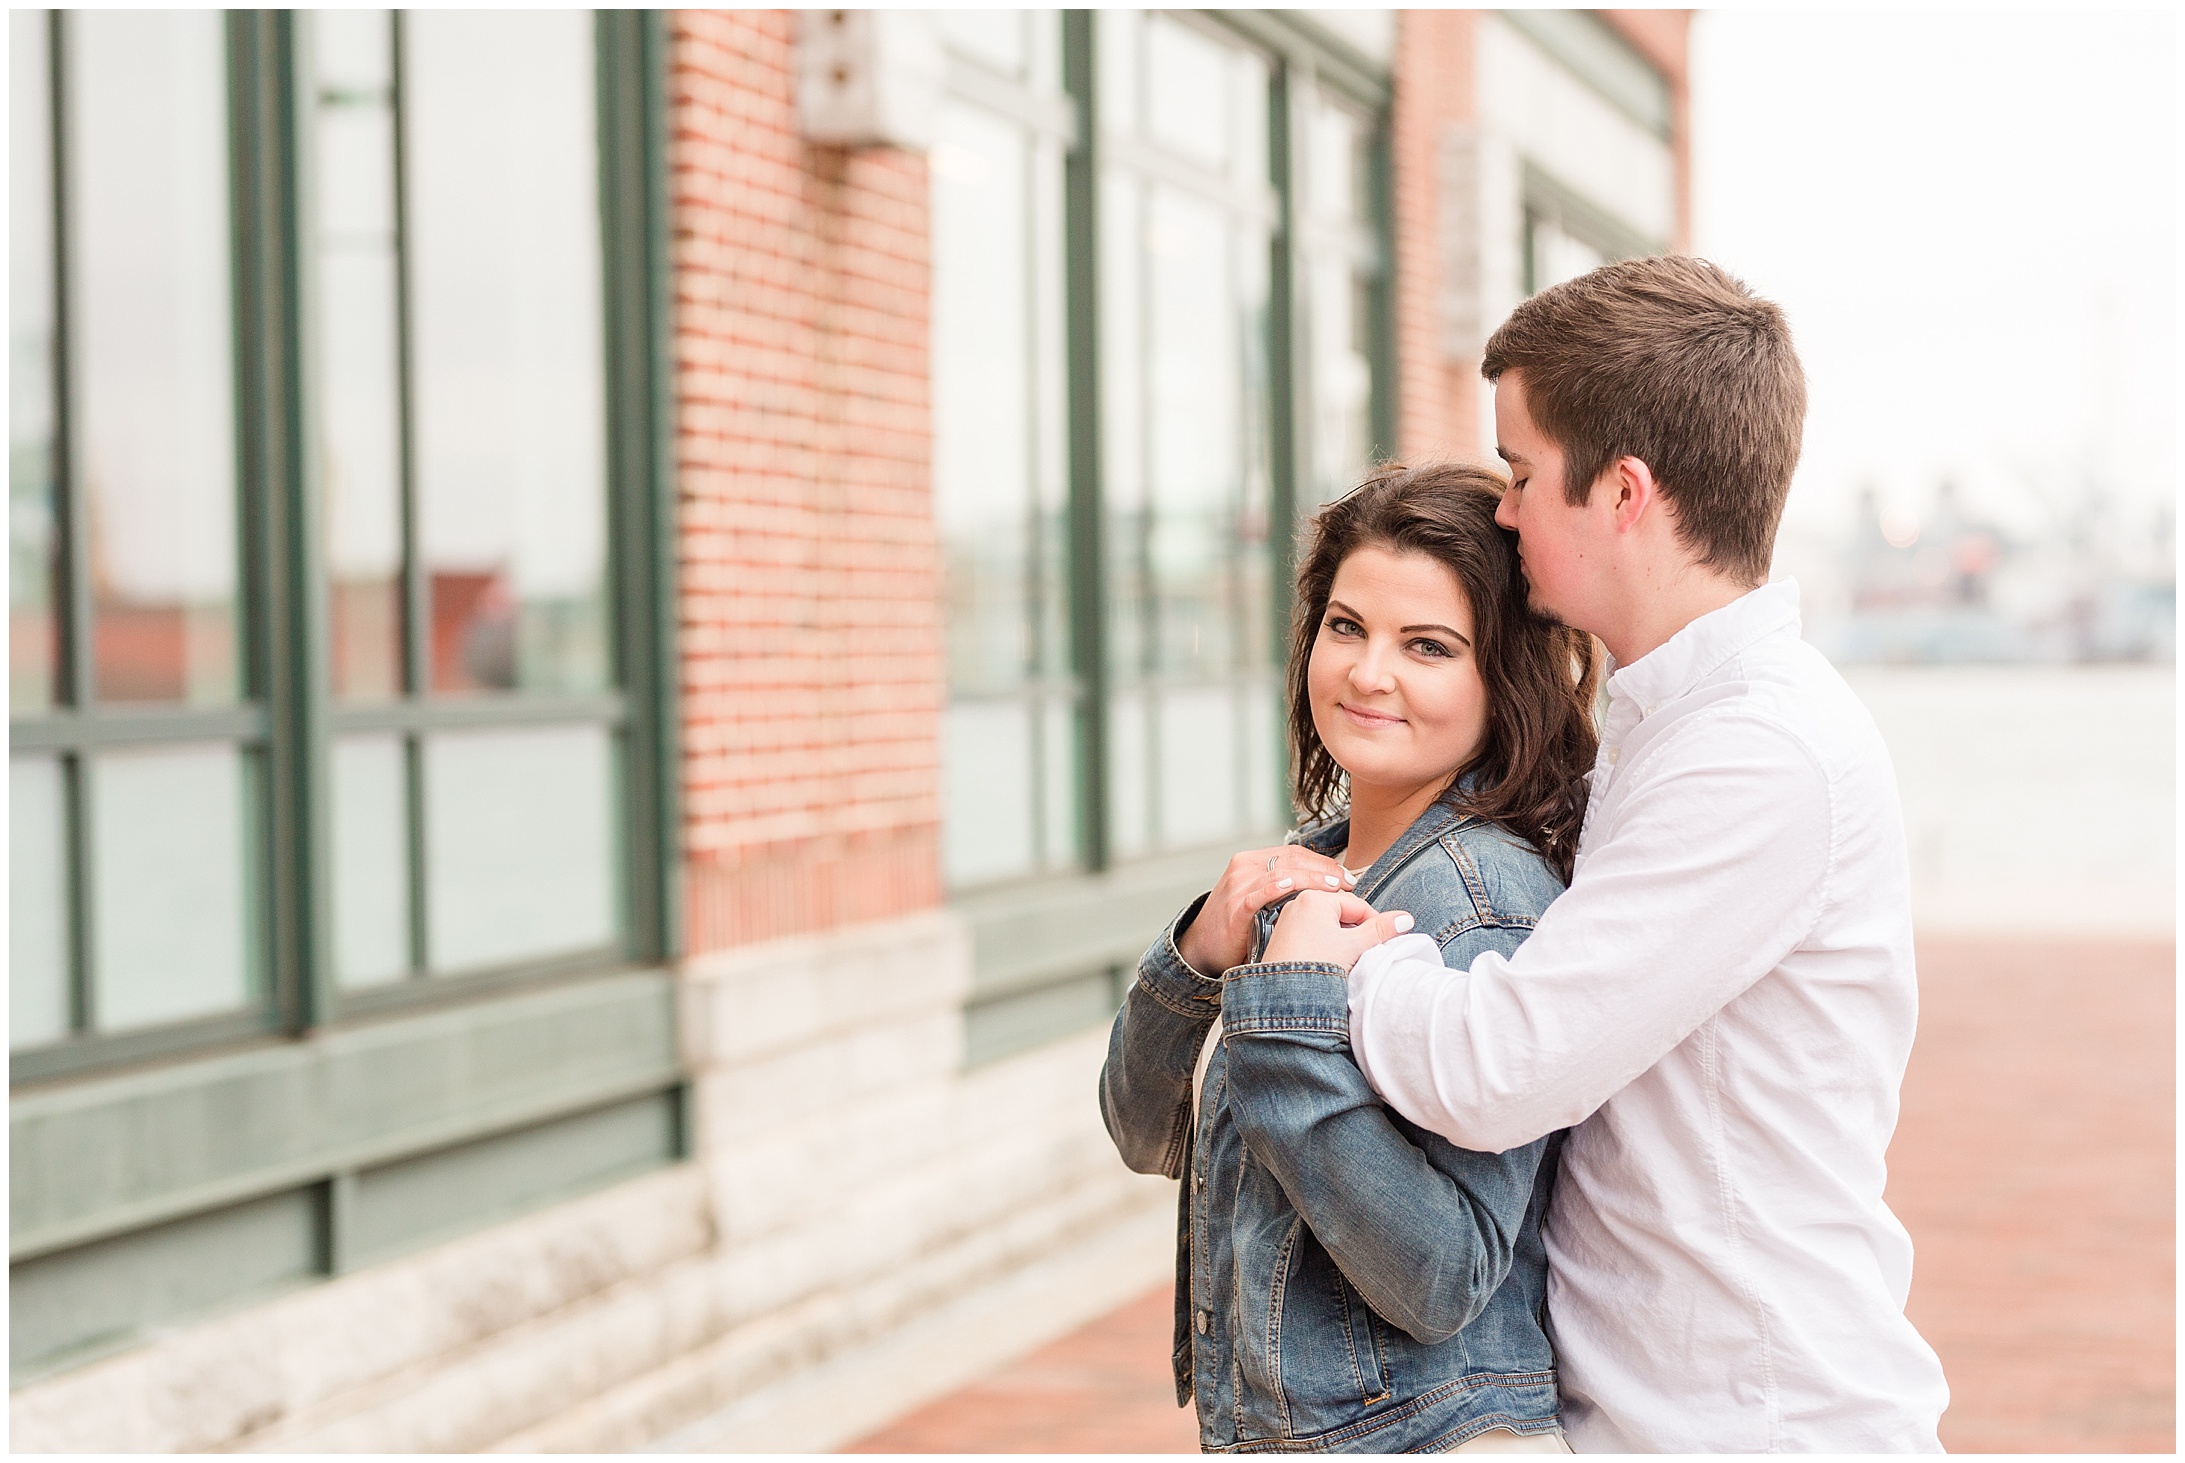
863, 1226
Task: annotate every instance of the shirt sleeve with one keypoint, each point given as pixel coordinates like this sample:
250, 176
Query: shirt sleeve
1424, 1230
1713, 868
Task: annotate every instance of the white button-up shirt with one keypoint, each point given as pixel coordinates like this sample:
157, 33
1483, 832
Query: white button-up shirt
1720, 1009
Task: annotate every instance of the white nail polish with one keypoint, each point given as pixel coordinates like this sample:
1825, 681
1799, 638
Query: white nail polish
1284, 883
1403, 922
1333, 882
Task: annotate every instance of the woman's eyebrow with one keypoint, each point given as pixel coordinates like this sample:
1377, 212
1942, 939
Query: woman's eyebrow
1446, 630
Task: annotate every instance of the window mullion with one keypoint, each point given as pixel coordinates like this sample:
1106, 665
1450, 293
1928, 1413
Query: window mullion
75, 558
416, 610
416, 613
284, 590
72, 588
1081, 315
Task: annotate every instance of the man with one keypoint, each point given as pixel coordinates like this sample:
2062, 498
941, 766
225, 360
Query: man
1721, 1005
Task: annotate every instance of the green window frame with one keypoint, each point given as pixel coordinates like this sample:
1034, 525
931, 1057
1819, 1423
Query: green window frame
1051, 953
284, 720
137, 1201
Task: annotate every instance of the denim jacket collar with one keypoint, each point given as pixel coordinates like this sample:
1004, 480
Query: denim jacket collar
1329, 838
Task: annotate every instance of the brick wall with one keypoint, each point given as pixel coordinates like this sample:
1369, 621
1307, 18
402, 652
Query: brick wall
810, 577
1437, 398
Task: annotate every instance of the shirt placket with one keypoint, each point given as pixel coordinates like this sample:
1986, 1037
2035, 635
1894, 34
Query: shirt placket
1624, 716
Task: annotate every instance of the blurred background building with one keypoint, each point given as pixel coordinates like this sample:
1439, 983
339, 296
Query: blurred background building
621, 625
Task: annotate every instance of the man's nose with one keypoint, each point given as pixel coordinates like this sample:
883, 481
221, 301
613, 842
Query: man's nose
1506, 510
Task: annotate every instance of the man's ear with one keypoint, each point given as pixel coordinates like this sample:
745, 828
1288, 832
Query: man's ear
1633, 493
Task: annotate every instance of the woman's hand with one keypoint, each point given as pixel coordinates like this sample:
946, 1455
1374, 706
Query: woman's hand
1221, 934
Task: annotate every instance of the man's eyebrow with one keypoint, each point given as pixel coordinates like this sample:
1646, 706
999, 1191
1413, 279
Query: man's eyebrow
1507, 455
1446, 630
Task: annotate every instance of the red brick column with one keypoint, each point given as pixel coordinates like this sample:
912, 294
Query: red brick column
1436, 398
811, 649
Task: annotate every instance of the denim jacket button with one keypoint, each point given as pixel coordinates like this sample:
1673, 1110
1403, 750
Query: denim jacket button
1202, 1323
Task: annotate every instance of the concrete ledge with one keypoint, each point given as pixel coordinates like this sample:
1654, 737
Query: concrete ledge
217, 1384
841, 1400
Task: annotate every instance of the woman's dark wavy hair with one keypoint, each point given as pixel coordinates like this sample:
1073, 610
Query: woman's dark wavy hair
1528, 775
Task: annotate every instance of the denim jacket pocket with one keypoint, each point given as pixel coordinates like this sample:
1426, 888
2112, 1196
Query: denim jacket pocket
1311, 1346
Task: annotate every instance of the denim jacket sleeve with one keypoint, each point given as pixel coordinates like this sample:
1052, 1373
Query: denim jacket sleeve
1153, 1048
1423, 1229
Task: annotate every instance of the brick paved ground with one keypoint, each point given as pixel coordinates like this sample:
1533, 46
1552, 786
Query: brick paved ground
2034, 1166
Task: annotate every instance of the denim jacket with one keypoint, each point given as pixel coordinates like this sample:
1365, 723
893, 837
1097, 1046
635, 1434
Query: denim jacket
1345, 1281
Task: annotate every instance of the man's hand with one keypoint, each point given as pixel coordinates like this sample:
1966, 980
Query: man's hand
1331, 929
1221, 934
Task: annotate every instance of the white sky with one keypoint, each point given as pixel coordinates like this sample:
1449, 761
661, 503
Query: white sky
1971, 218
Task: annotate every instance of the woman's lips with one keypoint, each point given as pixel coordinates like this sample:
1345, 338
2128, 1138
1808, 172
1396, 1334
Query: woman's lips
1369, 719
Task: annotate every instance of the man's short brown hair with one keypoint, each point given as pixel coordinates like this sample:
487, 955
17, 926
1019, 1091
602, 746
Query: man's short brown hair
1674, 362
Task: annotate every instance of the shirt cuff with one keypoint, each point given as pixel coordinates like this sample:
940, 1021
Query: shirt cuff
1170, 979
1366, 978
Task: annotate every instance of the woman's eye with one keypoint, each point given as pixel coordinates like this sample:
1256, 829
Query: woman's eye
1339, 625
1430, 647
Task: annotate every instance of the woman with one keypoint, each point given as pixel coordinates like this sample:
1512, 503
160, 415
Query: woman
1346, 1282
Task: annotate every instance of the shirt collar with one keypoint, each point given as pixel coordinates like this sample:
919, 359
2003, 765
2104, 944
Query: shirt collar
1700, 648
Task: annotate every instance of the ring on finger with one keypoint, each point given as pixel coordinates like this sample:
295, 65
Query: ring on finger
1271, 861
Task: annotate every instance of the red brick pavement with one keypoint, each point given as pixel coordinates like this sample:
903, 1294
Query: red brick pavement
2034, 1166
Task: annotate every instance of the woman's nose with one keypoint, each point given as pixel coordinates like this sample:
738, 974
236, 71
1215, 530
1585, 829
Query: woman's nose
1369, 672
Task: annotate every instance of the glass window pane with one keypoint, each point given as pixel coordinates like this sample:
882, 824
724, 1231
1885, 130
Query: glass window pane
1048, 346
1342, 377
1122, 419
982, 417
1195, 445
1187, 96
1187, 461
995, 37
371, 861
1334, 180
987, 788
1001, 491
168, 870
1199, 765
1058, 780
1249, 105
358, 380
37, 903
519, 844
1117, 34
150, 345
1130, 774
508, 398
33, 631
1261, 759
1558, 256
